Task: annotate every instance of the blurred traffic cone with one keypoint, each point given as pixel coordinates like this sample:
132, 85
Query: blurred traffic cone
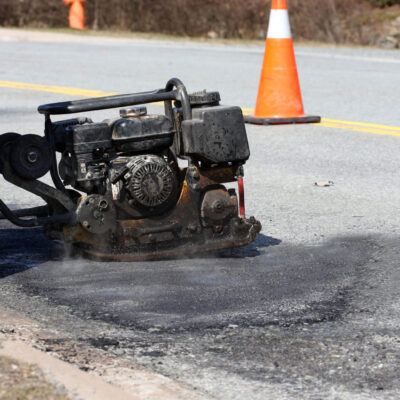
76, 13
279, 97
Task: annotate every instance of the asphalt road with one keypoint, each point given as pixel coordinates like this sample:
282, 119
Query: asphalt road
311, 309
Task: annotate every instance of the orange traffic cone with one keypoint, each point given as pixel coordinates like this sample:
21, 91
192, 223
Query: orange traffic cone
76, 13
279, 97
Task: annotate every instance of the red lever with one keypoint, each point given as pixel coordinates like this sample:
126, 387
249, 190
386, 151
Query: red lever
241, 198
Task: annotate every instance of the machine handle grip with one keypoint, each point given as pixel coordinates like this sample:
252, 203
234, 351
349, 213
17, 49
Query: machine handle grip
100, 103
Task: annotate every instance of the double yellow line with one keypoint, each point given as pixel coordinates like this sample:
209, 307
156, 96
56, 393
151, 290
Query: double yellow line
361, 127
351, 125
326, 122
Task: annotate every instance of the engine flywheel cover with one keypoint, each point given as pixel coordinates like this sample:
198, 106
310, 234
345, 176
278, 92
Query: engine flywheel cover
152, 182
96, 214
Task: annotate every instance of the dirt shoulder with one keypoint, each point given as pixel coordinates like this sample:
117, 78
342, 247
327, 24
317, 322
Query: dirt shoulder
24, 381
348, 22
389, 38
36, 363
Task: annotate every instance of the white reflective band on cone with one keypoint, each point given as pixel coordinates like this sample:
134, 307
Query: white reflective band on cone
279, 27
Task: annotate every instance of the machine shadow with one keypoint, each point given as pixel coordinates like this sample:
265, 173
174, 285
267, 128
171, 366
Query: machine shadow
23, 249
254, 249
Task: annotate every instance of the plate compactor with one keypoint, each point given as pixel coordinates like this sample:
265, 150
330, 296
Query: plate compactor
119, 192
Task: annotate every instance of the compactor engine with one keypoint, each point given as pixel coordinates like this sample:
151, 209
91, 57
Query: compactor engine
137, 185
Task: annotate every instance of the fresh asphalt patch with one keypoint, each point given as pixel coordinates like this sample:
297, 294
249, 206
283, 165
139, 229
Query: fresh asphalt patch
266, 283
273, 320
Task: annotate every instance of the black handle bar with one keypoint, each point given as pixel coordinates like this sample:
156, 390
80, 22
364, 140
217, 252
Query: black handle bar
123, 100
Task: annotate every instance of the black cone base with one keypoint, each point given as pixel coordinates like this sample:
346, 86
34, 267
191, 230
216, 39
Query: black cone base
280, 121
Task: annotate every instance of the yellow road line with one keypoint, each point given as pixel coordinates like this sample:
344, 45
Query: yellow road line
326, 122
351, 125
247, 111
55, 89
359, 128
384, 127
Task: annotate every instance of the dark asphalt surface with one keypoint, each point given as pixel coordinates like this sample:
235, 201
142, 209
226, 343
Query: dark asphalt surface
311, 309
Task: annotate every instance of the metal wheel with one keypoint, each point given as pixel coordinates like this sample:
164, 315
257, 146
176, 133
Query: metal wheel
6, 138
30, 156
